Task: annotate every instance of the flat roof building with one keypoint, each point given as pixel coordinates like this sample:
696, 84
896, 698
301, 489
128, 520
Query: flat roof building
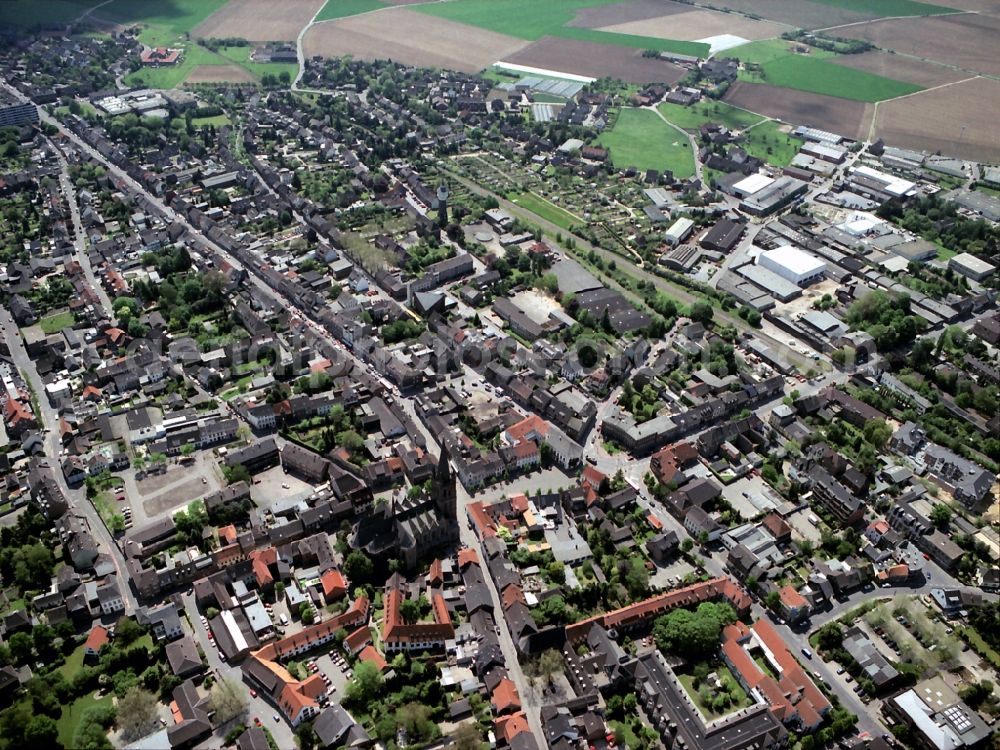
793, 264
969, 265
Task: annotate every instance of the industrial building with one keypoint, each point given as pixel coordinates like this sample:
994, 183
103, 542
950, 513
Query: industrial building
970, 266
724, 236
775, 196
679, 231
797, 266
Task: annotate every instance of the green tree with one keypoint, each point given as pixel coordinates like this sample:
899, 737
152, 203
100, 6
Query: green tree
41, 731
701, 312
20, 648
137, 713
366, 683
358, 567
940, 515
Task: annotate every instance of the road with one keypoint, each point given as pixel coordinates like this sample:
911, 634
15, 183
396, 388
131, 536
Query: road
257, 707
468, 539
77, 498
80, 237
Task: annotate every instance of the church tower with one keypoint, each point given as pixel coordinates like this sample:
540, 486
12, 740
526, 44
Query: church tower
444, 490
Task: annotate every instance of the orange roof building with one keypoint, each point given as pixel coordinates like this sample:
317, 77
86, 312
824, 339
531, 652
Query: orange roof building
792, 697
299, 700
641, 612
97, 640
467, 556
334, 584
398, 635
371, 655
505, 699
357, 640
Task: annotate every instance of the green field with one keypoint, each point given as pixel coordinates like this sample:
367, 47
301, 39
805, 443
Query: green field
531, 19
343, 8
56, 322
642, 140
71, 715
217, 120
175, 16
766, 141
195, 55
816, 73
889, 8
547, 210
29, 13
693, 117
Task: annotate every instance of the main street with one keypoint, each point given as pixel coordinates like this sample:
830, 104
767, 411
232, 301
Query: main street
77, 497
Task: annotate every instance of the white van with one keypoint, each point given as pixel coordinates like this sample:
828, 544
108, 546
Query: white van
283, 618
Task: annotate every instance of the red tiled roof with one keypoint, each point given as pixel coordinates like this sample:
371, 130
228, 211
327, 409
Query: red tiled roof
511, 726
372, 656
97, 639
436, 573
505, 698
467, 556
716, 588
358, 639
529, 425
792, 598
334, 584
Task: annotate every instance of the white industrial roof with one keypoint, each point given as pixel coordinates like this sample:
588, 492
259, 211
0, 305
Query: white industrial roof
753, 184
797, 261
970, 261
893, 185
680, 227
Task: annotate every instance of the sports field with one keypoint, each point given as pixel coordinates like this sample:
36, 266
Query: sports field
642, 140
815, 72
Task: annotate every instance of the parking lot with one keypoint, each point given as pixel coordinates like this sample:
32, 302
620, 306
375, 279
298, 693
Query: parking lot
275, 483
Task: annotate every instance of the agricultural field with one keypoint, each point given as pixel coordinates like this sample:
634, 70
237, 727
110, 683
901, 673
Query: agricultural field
260, 20
343, 8
642, 140
29, 13
901, 68
220, 74
698, 24
410, 37
968, 41
596, 60
818, 14
849, 118
952, 119
178, 17
816, 73
532, 20
768, 141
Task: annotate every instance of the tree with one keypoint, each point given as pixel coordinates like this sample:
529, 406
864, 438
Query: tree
941, 515
137, 713
41, 731
687, 632
358, 567
308, 614
127, 631
365, 684
468, 736
410, 610
228, 699
20, 648
830, 637
701, 312
772, 600
549, 663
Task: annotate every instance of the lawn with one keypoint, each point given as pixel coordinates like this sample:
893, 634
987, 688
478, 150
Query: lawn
72, 664
70, 717
241, 56
816, 73
547, 210
738, 695
195, 55
693, 117
889, 8
766, 141
642, 140
14, 605
343, 8
217, 120
56, 322
531, 19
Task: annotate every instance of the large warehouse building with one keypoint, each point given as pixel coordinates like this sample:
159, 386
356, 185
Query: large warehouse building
789, 262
